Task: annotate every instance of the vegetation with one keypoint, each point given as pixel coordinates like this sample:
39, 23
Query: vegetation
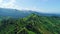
32, 24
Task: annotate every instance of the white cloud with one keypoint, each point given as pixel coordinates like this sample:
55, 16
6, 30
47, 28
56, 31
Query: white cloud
10, 4
1, 1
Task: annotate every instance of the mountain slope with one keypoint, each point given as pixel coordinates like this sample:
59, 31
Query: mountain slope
32, 24
44, 25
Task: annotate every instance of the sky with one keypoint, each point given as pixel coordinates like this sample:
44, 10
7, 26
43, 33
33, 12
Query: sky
46, 6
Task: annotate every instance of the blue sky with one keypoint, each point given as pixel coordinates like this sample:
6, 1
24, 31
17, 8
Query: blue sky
46, 6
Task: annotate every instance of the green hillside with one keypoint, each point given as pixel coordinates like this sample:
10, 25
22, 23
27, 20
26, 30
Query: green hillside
32, 24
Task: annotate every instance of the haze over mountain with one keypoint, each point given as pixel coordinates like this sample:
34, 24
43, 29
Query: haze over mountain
21, 13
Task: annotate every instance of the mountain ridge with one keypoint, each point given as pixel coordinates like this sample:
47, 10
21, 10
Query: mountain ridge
21, 13
32, 24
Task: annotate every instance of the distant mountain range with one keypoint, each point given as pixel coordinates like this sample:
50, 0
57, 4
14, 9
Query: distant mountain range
21, 13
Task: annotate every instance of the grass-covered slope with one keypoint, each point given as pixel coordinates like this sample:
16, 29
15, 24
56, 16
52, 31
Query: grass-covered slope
32, 24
